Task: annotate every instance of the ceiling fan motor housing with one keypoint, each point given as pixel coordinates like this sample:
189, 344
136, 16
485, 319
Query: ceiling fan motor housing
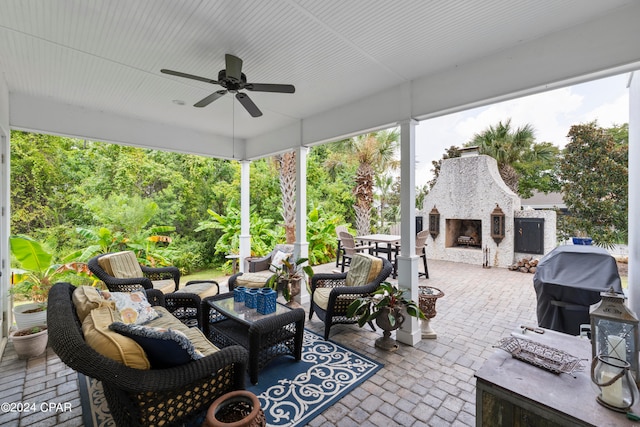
231, 83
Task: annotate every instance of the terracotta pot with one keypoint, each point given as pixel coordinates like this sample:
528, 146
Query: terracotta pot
239, 408
31, 345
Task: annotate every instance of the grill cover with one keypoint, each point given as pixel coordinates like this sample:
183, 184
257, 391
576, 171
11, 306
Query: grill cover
568, 280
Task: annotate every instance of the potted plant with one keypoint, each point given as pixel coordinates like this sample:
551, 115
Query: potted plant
30, 342
34, 278
386, 306
289, 276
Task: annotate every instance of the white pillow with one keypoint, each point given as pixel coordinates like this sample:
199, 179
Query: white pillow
132, 306
278, 259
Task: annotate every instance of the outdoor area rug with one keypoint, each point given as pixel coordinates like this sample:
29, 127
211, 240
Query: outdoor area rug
290, 393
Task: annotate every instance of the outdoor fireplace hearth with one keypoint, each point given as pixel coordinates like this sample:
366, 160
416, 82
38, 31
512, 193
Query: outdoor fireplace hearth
463, 201
464, 233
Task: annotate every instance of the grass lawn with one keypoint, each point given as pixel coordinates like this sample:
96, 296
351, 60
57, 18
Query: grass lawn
210, 274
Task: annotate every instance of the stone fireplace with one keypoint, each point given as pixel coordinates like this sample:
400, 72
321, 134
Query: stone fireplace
465, 233
466, 193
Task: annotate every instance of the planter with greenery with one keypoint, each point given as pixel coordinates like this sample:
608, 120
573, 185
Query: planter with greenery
386, 306
35, 277
289, 277
30, 342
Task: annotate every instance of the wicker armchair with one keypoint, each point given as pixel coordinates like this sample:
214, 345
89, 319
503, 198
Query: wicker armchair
136, 397
341, 296
186, 303
261, 264
129, 284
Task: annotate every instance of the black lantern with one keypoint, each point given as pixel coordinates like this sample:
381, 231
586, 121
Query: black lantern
497, 224
434, 222
614, 330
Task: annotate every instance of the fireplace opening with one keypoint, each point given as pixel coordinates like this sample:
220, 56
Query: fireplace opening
465, 233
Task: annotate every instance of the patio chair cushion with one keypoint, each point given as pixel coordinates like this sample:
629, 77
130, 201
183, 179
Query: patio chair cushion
321, 297
113, 345
132, 307
363, 269
127, 351
254, 280
123, 265
165, 286
198, 339
277, 260
203, 290
86, 298
165, 348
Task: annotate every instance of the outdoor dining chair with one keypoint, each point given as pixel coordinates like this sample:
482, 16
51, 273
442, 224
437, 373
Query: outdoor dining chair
339, 229
350, 248
421, 251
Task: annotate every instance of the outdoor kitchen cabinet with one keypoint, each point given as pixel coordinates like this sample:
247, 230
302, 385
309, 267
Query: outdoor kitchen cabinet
510, 392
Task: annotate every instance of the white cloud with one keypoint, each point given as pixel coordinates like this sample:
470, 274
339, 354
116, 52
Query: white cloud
612, 113
550, 113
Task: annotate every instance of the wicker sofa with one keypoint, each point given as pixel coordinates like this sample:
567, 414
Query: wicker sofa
168, 396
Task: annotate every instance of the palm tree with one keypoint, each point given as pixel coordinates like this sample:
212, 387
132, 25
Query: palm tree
374, 153
509, 148
384, 183
286, 164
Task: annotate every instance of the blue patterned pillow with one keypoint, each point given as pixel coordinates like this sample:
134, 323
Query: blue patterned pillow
165, 348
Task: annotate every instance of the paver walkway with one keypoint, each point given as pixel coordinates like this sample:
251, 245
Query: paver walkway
431, 384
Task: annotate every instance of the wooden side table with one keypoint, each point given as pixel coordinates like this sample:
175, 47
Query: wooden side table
510, 392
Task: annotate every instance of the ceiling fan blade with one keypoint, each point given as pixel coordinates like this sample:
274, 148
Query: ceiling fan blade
268, 87
189, 76
209, 99
234, 66
248, 104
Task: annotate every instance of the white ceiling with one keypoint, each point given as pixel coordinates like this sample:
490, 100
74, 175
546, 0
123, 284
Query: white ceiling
92, 68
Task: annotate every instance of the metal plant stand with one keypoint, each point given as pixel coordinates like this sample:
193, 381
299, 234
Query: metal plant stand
427, 297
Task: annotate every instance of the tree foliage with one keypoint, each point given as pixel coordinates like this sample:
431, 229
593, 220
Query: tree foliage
524, 164
374, 153
594, 174
514, 150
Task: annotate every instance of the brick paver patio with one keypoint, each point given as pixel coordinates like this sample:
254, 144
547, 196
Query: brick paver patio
431, 384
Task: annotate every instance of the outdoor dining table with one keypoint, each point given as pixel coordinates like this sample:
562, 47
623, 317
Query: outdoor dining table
392, 242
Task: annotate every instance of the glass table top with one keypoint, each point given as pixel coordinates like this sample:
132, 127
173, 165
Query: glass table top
239, 311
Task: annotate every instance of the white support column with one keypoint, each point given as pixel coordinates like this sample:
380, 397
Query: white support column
633, 289
410, 332
245, 221
301, 245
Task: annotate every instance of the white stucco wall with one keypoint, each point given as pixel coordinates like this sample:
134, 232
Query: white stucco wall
470, 188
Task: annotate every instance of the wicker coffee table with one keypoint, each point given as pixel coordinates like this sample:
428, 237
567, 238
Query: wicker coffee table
266, 336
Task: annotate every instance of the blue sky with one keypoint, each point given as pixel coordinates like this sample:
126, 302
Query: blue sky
550, 113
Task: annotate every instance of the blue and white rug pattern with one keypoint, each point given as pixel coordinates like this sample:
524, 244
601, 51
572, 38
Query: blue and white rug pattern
291, 393
304, 389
